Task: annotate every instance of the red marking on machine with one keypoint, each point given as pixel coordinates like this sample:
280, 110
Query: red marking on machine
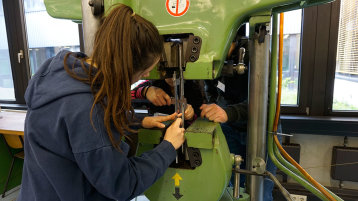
177, 8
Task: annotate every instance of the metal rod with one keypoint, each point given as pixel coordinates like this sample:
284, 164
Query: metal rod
236, 192
282, 189
181, 80
175, 90
284, 192
242, 171
257, 107
176, 100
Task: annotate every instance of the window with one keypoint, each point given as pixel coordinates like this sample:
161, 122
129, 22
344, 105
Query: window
291, 57
327, 73
345, 95
47, 35
34, 37
6, 82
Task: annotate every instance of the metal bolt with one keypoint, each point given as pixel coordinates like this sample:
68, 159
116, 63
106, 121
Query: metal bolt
192, 58
196, 40
194, 50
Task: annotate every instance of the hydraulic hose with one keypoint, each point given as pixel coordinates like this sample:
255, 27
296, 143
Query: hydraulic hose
278, 102
300, 180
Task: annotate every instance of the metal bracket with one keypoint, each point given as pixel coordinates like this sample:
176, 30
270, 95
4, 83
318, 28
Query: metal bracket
194, 157
259, 165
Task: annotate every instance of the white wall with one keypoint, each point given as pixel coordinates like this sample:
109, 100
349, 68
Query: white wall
316, 156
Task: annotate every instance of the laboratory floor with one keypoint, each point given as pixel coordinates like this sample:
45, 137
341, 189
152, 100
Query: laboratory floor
12, 194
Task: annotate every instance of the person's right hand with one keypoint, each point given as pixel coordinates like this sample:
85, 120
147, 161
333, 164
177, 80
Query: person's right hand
214, 113
157, 96
175, 134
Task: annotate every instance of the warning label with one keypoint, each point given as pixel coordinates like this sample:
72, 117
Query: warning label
177, 8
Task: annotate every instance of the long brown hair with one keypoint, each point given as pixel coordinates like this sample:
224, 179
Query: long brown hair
124, 44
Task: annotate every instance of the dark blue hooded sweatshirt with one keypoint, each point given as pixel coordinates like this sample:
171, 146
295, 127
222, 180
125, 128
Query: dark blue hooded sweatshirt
65, 157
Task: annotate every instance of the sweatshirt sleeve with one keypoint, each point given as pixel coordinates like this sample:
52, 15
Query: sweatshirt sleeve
137, 92
121, 178
109, 170
237, 112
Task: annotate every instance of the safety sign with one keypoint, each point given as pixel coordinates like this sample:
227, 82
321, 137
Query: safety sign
177, 8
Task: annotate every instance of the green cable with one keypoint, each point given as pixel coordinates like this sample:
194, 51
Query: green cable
297, 178
273, 76
272, 109
295, 170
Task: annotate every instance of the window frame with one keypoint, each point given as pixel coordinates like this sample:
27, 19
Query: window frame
14, 14
318, 63
16, 37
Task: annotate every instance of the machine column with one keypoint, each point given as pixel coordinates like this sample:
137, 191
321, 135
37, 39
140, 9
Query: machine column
91, 10
257, 109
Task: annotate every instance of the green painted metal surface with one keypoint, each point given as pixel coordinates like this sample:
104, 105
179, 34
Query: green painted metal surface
215, 21
68, 9
5, 162
150, 136
200, 134
204, 183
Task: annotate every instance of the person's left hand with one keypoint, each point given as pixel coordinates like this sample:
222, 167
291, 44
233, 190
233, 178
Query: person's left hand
151, 122
214, 113
189, 112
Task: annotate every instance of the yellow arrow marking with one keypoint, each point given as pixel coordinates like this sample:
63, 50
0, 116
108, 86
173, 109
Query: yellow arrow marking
176, 178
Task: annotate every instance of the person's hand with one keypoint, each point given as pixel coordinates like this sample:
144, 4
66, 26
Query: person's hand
151, 122
157, 96
175, 134
214, 113
189, 112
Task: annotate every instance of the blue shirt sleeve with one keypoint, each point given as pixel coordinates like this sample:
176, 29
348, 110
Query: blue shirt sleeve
121, 178
110, 171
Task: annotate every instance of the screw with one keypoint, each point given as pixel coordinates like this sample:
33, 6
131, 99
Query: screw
196, 40
192, 58
194, 50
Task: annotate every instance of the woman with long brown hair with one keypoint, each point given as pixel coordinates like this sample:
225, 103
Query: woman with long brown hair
79, 113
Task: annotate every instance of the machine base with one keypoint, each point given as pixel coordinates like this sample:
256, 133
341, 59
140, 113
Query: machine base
227, 196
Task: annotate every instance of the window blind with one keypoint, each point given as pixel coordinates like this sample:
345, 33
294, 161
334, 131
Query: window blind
347, 50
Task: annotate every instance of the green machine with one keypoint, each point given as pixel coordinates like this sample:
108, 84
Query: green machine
214, 21
205, 176
198, 35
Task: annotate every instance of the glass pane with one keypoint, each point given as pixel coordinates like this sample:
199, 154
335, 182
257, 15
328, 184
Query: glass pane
345, 95
291, 56
46, 35
6, 83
